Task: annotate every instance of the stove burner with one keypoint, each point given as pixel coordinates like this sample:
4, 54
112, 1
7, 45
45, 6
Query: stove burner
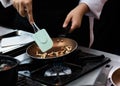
58, 70
25, 72
57, 73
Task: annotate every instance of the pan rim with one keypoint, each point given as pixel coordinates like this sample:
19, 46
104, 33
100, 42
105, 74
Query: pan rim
114, 72
35, 57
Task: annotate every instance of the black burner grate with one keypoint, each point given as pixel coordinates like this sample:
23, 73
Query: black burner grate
25, 81
79, 64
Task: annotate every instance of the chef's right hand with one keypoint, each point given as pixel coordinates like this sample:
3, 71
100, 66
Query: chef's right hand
23, 7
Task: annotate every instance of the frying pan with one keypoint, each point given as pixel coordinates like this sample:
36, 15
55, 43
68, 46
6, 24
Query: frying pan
115, 78
9, 76
58, 42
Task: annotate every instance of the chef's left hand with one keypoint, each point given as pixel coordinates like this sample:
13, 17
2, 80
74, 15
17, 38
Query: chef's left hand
75, 16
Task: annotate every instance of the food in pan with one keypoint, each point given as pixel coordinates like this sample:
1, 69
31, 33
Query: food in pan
4, 67
60, 52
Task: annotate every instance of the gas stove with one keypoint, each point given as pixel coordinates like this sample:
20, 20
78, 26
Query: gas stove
59, 73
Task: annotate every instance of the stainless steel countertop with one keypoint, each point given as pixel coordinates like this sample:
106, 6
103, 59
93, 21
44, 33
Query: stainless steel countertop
87, 79
4, 30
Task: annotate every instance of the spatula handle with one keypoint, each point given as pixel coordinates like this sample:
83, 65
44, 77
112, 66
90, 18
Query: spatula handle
65, 31
35, 27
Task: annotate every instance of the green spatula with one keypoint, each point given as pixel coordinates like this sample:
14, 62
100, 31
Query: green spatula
42, 38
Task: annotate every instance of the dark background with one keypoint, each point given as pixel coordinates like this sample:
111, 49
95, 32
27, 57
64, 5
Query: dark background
107, 29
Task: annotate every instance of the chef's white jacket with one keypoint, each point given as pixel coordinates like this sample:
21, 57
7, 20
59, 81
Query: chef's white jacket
95, 7
6, 3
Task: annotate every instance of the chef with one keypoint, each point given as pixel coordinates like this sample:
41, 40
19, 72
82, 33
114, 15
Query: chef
55, 15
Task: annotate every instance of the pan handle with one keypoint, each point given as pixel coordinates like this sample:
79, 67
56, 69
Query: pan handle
65, 31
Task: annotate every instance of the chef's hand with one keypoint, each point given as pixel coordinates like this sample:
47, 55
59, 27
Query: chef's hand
24, 8
75, 16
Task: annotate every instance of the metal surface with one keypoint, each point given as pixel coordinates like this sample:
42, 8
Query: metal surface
35, 27
101, 80
13, 33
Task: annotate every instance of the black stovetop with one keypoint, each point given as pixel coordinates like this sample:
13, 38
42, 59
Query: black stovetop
74, 66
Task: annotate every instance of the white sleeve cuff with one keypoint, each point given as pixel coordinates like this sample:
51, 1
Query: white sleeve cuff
95, 7
6, 3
